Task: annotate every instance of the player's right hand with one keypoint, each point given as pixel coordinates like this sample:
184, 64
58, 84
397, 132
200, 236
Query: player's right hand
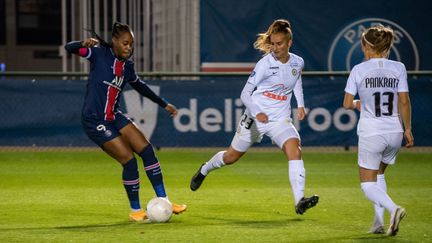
90, 42
262, 117
357, 105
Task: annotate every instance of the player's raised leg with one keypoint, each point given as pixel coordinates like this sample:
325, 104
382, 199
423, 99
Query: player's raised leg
220, 159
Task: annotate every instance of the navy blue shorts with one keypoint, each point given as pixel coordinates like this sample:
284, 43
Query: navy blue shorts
101, 131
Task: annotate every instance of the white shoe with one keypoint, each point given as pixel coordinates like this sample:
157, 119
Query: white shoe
377, 229
395, 219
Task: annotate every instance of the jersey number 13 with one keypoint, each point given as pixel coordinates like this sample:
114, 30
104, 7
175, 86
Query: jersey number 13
378, 96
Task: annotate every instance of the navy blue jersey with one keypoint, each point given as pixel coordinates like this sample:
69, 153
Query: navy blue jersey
108, 76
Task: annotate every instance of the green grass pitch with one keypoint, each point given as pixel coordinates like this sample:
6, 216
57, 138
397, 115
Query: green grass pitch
79, 197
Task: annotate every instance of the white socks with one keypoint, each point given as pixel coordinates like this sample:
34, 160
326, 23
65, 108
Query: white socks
297, 177
214, 163
374, 193
379, 211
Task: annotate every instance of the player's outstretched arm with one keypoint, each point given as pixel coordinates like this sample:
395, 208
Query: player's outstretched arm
142, 88
145, 91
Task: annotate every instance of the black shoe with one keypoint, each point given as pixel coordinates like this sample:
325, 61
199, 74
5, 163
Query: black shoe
197, 179
305, 203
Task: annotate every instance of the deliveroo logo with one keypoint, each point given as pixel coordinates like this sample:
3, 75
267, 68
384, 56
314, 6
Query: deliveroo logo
142, 110
345, 51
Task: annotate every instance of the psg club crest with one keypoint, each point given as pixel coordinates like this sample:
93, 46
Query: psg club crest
345, 51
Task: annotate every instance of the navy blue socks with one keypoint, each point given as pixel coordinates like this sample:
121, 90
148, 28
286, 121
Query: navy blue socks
131, 183
153, 170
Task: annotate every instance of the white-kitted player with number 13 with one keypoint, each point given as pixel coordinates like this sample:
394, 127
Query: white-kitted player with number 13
384, 101
267, 96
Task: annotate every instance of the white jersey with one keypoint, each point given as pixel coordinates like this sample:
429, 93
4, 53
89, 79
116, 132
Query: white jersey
378, 81
270, 86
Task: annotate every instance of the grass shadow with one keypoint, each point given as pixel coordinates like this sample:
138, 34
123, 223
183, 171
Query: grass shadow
254, 223
365, 237
72, 227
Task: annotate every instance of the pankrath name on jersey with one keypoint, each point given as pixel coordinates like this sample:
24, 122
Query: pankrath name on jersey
381, 82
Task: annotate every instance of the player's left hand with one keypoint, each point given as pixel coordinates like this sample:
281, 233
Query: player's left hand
409, 138
171, 109
301, 113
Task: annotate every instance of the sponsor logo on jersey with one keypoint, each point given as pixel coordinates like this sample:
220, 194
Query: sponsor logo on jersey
345, 51
274, 96
116, 82
277, 92
294, 72
274, 67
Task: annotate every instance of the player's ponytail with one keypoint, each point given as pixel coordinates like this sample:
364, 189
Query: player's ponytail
102, 42
278, 26
117, 29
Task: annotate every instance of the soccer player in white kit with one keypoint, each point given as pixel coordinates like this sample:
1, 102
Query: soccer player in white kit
267, 96
384, 102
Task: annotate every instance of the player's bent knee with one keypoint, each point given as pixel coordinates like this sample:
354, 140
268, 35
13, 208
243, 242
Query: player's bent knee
117, 150
230, 158
122, 156
292, 149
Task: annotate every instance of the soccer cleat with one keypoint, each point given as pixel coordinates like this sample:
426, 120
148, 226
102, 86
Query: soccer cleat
178, 208
137, 216
377, 229
305, 203
395, 219
197, 179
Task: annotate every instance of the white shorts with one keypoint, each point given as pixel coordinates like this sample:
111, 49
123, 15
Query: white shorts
249, 131
380, 148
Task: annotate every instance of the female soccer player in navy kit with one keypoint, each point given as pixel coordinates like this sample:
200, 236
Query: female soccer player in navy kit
384, 102
267, 96
110, 70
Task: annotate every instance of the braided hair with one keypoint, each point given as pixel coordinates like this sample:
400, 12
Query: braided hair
117, 29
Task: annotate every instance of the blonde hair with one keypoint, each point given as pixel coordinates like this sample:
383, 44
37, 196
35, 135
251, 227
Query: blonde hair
378, 38
278, 26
